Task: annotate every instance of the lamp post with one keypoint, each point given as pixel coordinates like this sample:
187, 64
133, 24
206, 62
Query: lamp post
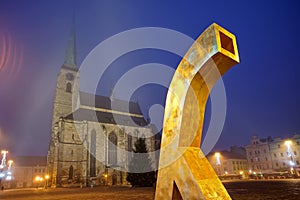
3, 161
218, 163
46, 180
290, 154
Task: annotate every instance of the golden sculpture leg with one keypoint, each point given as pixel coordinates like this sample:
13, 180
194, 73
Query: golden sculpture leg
184, 172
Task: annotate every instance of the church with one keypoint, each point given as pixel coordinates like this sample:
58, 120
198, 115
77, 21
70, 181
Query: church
87, 146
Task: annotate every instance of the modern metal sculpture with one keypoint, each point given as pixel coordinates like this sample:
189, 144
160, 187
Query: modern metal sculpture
184, 172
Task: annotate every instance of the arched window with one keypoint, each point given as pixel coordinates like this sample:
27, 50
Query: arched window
71, 172
69, 87
93, 154
112, 149
129, 142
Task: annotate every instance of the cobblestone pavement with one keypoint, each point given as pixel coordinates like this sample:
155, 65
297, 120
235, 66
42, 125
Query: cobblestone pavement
106, 193
238, 190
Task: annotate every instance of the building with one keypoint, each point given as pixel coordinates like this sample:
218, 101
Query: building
93, 143
258, 155
229, 163
285, 154
25, 169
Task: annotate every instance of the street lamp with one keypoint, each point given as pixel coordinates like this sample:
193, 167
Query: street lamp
46, 182
290, 154
3, 162
218, 162
38, 179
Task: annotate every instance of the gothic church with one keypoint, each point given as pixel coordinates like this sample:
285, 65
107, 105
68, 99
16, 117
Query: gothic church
89, 149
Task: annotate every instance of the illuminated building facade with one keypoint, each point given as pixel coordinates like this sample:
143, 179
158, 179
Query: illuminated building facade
226, 163
87, 145
285, 154
258, 155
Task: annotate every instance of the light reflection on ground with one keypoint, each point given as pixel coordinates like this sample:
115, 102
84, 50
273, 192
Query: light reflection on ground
239, 190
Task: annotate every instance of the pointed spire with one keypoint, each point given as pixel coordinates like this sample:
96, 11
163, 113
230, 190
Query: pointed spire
111, 90
70, 58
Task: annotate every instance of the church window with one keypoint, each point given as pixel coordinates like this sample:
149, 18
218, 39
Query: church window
69, 87
93, 154
112, 149
71, 172
129, 142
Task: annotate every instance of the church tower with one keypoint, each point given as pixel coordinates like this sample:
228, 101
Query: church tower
67, 85
66, 95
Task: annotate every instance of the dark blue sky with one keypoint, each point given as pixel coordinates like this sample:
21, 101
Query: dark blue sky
262, 91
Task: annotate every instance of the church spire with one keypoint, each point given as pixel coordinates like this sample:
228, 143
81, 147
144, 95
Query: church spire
70, 58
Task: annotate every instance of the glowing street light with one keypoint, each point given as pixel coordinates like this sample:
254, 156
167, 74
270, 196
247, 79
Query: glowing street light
3, 162
217, 155
288, 143
290, 154
218, 162
46, 182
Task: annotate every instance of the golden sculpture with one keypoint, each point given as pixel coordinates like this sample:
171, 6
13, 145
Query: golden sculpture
184, 172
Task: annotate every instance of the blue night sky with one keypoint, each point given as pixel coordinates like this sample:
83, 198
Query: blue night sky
262, 91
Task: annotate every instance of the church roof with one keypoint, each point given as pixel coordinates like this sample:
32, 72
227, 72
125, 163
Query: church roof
104, 110
98, 101
106, 117
30, 161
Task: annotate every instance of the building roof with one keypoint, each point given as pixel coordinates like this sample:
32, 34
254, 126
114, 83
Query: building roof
105, 117
99, 101
229, 155
29, 161
232, 155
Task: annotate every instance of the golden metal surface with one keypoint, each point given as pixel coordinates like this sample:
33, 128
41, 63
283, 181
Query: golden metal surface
184, 172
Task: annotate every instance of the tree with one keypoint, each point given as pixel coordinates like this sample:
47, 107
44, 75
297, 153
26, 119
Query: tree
141, 173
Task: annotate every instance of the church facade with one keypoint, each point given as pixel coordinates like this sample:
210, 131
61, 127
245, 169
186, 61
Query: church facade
87, 145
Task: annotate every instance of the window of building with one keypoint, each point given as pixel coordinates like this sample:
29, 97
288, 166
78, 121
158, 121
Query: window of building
298, 143
71, 172
275, 155
73, 136
297, 162
93, 154
69, 88
283, 163
276, 164
129, 142
295, 153
250, 153
278, 145
266, 158
265, 151
112, 149
258, 152
234, 168
233, 162
255, 152
281, 154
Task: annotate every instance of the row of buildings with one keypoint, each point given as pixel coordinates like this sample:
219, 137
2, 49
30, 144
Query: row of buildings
262, 157
26, 171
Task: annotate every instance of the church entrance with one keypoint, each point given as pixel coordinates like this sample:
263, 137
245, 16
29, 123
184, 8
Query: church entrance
114, 179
